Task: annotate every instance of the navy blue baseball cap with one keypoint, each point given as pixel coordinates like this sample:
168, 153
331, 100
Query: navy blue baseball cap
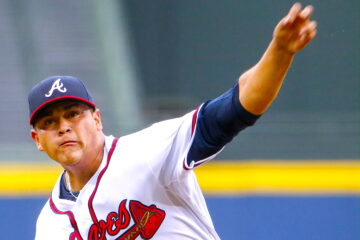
56, 89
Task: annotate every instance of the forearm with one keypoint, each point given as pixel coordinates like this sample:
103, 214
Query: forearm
260, 85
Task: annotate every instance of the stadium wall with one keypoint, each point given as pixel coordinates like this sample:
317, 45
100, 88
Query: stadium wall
258, 200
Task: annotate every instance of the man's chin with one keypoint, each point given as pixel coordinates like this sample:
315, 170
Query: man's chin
69, 159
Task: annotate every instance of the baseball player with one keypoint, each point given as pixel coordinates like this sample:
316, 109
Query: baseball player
142, 186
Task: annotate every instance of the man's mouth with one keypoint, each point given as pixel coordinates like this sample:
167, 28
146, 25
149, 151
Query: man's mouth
68, 143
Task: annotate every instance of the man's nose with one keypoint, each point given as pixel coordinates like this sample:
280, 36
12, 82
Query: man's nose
64, 126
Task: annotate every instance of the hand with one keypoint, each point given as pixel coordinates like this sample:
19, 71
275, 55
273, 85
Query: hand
295, 30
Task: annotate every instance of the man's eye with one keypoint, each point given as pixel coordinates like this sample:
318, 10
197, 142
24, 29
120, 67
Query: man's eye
73, 114
48, 122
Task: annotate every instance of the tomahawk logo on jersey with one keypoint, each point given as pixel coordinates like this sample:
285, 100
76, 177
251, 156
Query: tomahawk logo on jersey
147, 220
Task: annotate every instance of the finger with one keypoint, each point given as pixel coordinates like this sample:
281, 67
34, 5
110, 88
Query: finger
311, 26
294, 11
312, 35
307, 12
290, 17
306, 38
303, 17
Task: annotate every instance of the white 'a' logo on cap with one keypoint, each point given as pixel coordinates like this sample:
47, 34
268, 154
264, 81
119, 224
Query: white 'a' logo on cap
57, 85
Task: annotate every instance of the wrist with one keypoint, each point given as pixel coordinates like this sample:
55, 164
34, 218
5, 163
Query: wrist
280, 51
281, 48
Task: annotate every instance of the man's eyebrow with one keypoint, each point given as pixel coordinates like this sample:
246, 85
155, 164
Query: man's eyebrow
49, 112
45, 113
67, 107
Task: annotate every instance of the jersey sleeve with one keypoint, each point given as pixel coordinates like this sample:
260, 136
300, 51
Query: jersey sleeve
200, 135
217, 122
173, 138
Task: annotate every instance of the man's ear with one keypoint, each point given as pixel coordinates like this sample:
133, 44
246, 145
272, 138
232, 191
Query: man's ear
97, 118
35, 137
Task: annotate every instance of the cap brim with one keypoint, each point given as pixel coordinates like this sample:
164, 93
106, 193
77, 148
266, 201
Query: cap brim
54, 100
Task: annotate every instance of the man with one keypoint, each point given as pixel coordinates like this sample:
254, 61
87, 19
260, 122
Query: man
142, 186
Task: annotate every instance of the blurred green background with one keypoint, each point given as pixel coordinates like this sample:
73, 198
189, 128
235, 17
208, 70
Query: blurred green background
146, 61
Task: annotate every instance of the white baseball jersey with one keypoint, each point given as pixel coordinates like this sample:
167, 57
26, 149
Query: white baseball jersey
143, 189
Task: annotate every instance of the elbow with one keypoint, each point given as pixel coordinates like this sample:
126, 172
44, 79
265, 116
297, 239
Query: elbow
256, 102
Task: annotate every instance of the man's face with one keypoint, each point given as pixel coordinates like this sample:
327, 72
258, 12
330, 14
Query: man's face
68, 132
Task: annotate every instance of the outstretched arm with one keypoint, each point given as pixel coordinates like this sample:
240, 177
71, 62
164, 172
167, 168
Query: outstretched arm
259, 86
220, 119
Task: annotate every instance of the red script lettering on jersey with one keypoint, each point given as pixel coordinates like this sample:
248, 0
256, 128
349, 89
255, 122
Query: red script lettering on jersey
147, 220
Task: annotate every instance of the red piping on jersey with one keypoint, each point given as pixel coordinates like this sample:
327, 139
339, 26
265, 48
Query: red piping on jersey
74, 235
90, 203
194, 120
193, 125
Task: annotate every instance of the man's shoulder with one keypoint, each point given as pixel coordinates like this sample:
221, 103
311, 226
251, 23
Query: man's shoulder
162, 134
163, 127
